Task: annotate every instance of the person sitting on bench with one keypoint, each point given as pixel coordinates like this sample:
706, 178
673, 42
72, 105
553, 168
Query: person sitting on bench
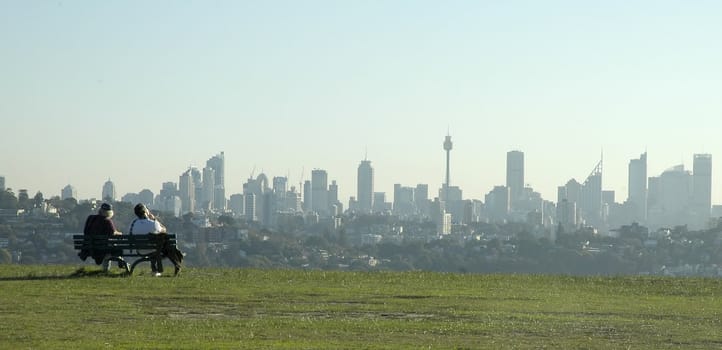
102, 224
146, 223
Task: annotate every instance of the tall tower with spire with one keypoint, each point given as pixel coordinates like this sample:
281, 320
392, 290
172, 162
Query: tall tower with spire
447, 147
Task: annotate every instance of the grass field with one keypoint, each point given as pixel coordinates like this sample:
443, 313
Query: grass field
61, 307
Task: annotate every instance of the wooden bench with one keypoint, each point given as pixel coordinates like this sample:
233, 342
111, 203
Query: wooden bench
145, 247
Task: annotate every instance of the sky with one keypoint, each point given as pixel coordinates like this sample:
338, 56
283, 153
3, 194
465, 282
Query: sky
137, 91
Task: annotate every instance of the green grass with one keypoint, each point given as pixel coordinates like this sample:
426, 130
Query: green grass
55, 307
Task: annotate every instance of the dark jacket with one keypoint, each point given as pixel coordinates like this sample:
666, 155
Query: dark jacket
98, 225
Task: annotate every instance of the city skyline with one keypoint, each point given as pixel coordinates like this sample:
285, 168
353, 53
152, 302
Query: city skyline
288, 87
515, 164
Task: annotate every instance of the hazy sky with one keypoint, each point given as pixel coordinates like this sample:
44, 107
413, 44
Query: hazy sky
137, 91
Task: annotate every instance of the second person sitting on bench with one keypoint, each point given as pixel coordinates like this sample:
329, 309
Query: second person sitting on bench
146, 223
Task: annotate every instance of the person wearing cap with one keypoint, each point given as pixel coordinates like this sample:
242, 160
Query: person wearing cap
146, 223
101, 224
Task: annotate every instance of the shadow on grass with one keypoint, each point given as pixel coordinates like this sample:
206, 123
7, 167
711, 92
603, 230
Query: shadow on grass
79, 273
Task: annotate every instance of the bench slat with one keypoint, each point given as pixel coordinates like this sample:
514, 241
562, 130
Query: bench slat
125, 242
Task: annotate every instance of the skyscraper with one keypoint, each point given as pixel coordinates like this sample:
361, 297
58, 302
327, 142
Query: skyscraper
235, 203
109, 191
250, 207
187, 192
261, 199
280, 184
701, 189
669, 198
333, 198
307, 196
637, 185
146, 197
168, 199
319, 191
2, 183
515, 175
421, 197
569, 197
365, 186
497, 203
404, 202
207, 199
68, 192
217, 163
591, 205
197, 180
380, 205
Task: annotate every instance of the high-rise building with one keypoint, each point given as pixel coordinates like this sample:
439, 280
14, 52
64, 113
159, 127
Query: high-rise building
591, 204
261, 201
515, 175
307, 196
68, 192
571, 192
217, 163
168, 199
130, 198
235, 203
637, 185
197, 180
440, 217
353, 204
2, 183
168, 189
108, 191
451, 193
498, 203
404, 202
319, 191
146, 197
701, 190
421, 197
280, 193
569, 198
608, 197
187, 192
280, 184
207, 200
669, 198
365, 186
333, 202
380, 204
250, 207
567, 215
266, 208
333, 193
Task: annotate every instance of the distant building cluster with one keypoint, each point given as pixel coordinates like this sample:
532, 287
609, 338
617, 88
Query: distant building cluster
675, 197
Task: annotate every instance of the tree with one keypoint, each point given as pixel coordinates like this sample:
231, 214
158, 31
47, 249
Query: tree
38, 200
227, 220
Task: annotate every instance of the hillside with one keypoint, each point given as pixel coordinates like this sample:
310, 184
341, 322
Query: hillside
55, 307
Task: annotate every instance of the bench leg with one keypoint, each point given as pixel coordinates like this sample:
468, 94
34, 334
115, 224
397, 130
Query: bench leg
142, 259
106, 263
119, 259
